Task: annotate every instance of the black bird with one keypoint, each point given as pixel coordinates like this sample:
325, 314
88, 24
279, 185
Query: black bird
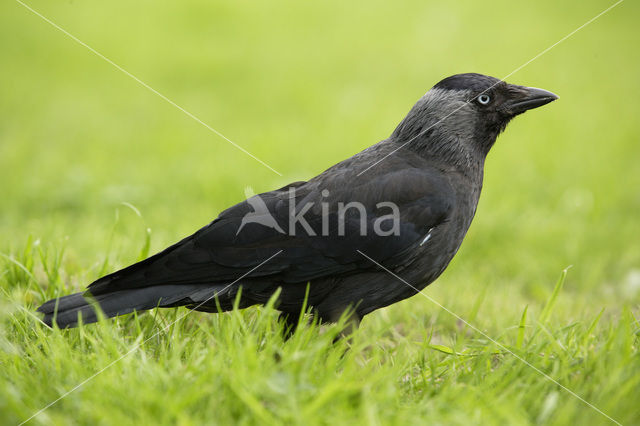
405, 202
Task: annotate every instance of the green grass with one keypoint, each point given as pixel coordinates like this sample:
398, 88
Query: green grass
84, 149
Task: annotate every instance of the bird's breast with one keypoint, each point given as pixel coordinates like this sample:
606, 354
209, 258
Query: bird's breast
435, 250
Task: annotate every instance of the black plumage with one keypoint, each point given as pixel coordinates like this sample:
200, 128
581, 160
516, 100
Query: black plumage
430, 169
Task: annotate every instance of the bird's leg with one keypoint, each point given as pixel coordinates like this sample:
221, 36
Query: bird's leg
290, 320
351, 324
350, 327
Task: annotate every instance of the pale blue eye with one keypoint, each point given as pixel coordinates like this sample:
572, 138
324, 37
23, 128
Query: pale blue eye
484, 99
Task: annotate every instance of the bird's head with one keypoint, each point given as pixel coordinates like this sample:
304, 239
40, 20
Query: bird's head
471, 108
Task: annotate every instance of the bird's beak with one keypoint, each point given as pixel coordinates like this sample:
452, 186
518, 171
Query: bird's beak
526, 98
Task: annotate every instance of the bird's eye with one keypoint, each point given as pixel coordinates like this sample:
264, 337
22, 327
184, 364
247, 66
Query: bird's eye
484, 99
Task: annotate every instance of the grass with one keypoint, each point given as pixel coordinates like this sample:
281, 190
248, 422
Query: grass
97, 172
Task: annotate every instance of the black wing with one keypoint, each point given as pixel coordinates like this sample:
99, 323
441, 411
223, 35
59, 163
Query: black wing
219, 253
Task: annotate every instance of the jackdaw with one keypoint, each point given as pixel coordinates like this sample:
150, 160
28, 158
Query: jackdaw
402, 205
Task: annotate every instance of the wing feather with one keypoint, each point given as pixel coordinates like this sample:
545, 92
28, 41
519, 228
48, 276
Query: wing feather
219, 253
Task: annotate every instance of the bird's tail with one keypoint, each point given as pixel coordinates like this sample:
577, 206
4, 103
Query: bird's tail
65, 311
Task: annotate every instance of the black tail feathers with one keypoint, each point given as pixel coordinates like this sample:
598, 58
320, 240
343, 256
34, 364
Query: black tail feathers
66, 311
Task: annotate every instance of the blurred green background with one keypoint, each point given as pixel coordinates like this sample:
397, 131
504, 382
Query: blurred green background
303, 85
